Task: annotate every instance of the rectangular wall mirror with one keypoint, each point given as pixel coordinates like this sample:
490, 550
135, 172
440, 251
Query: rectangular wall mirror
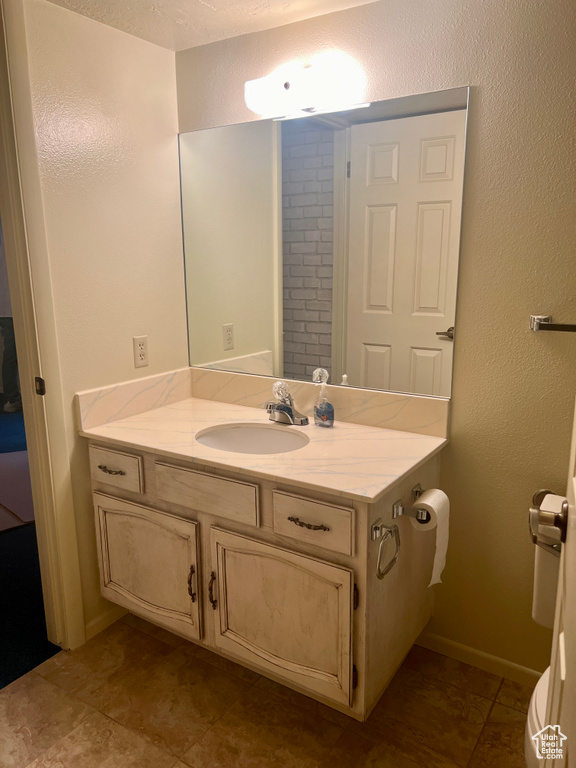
330, 241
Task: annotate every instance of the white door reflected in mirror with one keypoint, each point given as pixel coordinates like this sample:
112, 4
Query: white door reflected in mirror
405, 200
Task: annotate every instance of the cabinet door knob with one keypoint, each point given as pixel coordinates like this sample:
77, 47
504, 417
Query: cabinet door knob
190, 577
213, 602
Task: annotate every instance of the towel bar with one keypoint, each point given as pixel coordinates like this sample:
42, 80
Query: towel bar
544, 323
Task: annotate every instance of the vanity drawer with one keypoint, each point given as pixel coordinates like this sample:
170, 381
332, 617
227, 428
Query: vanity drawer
219, 496
122, 470
294, 514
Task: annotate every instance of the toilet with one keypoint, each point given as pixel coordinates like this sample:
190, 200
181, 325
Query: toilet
536, 720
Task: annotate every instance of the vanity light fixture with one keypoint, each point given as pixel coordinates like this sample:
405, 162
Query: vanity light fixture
330, 81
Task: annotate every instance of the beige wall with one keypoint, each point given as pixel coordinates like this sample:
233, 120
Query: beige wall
101, 196
513, 390
102, 201
230, 200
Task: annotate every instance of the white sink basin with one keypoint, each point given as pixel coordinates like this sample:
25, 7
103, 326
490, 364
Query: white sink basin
253, 438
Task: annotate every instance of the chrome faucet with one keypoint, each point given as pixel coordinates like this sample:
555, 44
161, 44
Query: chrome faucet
282, 409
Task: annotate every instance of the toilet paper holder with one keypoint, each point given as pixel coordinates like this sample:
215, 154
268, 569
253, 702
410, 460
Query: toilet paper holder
420, 514
554, 524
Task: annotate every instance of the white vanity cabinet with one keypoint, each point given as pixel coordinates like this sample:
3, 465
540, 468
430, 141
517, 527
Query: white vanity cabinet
122, 470
288, 613
149, 563
280, 578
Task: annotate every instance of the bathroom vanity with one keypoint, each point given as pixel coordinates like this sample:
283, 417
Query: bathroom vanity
291, 562
268, 559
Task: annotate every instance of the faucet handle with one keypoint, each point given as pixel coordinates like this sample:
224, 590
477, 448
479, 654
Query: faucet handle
281, 392
282, 409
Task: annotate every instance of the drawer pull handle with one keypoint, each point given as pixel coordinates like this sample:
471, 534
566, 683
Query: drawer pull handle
298, 522
190, 577
104, 468
213, 602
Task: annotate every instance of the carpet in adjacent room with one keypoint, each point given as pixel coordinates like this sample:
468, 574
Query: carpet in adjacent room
12, 435
15, 488
23, 640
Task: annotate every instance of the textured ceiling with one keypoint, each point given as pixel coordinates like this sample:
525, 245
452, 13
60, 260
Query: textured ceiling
181, 24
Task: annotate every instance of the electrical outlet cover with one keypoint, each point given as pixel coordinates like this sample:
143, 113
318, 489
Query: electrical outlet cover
228, 336
140, 347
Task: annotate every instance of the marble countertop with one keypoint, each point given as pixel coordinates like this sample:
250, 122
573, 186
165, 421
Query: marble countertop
348, 460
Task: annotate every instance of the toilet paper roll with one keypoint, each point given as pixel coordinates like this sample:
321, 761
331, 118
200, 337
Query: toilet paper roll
546, 567
437, 504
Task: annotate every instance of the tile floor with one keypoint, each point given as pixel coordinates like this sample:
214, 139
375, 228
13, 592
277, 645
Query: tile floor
139, 697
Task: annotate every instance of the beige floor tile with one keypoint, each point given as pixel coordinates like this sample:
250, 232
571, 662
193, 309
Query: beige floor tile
101, 743
355, 751
173, 702
429, 715
151, 629
304, 702
237, 670
451, 671
501, 744
201, 653
263, 731
34, 714
514, 695
90, 671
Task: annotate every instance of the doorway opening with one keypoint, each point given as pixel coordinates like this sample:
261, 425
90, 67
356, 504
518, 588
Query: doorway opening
23, 637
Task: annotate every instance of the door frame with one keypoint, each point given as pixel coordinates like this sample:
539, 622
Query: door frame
340, 254
560, 696
36, 342
277, 252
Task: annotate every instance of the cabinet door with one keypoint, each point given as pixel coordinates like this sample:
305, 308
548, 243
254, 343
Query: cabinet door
286, 612
149, 563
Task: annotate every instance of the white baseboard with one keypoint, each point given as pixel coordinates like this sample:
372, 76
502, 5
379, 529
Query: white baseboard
104, 620
480, 659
